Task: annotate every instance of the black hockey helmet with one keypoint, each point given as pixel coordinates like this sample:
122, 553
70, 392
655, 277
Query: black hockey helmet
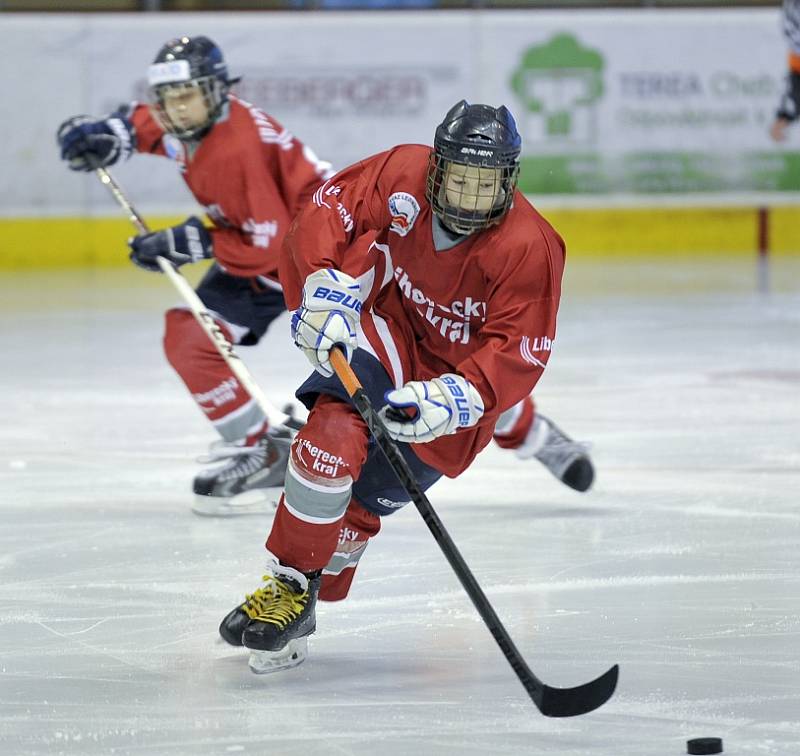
479, 143
184, 64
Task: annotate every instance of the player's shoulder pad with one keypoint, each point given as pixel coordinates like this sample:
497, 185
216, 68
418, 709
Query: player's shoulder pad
404, 165
523, 247
410, 156
251, 123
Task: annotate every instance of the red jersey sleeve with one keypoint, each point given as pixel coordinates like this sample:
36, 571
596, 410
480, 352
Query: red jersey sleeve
148, 131
516, 339
265, 181
298, 170
344, 208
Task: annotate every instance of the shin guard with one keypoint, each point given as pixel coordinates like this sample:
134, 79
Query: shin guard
326, 457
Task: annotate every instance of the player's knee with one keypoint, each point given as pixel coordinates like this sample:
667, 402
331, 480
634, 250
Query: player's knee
332, 446
186, 343
325, 459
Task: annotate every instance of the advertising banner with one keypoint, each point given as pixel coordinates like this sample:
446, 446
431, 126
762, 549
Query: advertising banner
645, 102
608, 102
346, 85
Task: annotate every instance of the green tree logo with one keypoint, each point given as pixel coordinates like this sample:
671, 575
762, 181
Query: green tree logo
559, 84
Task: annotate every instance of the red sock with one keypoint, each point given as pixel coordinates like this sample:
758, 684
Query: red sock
358, 527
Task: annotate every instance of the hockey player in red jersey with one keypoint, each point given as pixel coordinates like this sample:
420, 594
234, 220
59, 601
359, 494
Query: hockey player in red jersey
447, 318
252, 176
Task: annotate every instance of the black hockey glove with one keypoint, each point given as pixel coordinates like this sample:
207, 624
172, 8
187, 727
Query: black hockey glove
87, 143
188, 242
789, 107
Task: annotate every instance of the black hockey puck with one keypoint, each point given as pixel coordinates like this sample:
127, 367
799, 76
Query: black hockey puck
704, 745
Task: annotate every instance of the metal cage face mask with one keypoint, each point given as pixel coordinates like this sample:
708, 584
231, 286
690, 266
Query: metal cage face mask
469, 197
212, 92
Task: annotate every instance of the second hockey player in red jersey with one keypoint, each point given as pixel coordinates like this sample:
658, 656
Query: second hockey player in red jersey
448, 318
252, 176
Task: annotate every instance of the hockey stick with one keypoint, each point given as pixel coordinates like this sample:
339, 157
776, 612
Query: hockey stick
552, 702
204, 318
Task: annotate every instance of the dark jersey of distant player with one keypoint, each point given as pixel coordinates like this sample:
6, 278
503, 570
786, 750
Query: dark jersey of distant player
485, 308
250, 174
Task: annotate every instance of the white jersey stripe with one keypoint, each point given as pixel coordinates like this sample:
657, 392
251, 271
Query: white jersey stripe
365, 282
318, 196
387, 340
388, 273
350, 566
527, 354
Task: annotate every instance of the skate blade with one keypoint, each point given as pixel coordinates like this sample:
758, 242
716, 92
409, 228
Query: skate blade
291, 655
256, 502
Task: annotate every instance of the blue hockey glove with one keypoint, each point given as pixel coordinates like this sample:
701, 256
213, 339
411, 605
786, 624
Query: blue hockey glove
329, 315
421, 411
188, 242
87, 143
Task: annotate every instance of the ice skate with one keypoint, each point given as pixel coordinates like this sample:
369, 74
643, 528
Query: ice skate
249, 481
568, 460
232, 627
274, 622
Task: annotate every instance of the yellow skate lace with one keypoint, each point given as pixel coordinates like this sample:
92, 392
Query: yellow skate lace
285, 606
257, 602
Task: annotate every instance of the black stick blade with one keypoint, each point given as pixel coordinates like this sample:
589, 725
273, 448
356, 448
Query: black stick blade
571, 702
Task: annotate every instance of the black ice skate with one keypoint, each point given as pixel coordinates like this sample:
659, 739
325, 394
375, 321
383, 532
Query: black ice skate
249, 482
274, 622
568, 460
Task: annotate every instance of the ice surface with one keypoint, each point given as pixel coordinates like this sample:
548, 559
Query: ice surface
682, 564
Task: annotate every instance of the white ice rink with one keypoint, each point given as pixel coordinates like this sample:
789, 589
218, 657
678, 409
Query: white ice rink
682, 564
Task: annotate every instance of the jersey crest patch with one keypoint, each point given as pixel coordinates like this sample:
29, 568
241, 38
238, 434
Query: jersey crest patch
404, 209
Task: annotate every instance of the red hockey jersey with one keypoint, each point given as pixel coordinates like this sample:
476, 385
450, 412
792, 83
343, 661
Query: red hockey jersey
485, 308
250, 174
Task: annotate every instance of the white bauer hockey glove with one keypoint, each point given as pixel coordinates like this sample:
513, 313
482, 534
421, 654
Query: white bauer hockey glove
329, 315
439, 407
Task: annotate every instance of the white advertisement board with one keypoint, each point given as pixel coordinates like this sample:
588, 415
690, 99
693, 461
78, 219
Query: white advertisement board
607, 102
347, 85
677, 101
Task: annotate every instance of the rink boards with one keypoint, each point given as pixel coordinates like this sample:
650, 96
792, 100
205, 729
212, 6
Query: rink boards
29, 243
